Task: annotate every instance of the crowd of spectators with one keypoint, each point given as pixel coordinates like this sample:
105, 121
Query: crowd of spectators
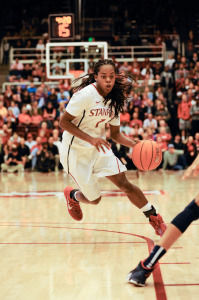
165, 110
163, 105
30, 136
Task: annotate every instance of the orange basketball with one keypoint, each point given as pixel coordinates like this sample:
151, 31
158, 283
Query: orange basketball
147, 155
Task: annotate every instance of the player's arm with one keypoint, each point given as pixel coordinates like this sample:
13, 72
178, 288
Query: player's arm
66, 124
192, 169
120, 138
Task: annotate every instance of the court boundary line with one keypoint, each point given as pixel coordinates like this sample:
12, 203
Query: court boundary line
105, 193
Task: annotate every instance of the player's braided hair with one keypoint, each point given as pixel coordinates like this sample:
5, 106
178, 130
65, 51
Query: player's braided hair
117, 95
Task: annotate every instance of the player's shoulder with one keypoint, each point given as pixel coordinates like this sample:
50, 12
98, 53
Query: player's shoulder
88, 92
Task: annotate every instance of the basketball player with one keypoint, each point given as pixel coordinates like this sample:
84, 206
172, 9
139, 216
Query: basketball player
86, 155
177, 227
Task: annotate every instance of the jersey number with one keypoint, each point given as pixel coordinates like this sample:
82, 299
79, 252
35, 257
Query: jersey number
102, 120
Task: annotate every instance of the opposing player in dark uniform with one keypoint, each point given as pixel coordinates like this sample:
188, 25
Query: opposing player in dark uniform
177, 227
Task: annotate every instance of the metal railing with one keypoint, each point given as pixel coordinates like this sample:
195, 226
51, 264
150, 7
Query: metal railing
27, 56
130, 53
121, 53
70, 55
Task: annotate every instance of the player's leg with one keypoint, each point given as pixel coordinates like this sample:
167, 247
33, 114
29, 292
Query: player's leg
88, 192
73, 197
78, 196
137, 197
180, 223
177, 227
134, 194
80, 168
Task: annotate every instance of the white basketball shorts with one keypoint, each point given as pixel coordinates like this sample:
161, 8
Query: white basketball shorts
86, 166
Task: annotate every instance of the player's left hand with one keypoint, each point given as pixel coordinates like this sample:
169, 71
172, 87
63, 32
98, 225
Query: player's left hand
135, 142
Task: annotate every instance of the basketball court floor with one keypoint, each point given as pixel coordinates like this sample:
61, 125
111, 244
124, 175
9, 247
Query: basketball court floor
46, 255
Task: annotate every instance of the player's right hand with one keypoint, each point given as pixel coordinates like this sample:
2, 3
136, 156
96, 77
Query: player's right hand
99, 144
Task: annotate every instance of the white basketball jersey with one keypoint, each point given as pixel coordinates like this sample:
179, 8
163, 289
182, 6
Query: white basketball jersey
91, 115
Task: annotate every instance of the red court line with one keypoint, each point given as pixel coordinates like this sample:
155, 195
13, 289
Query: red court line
17, 223
105, 193
157, 276
94, 243
36, 196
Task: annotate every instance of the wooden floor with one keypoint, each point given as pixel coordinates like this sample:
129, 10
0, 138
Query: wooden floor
46, 255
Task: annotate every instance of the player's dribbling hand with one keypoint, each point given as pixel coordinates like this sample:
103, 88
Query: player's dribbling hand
135, 142
99, 144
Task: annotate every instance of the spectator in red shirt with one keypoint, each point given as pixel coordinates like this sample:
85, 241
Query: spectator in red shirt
166, 137
24, 118
36, 118
125, 116
42, 136
44, 132
184, 116
161, 144
135, 120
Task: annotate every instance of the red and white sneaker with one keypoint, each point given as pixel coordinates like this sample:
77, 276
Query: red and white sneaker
74, 208
158, 224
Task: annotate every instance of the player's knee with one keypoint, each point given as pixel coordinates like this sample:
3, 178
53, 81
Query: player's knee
96, 201
187, 216
126, 187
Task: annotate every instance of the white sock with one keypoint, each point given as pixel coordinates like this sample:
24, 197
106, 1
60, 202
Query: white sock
75, 196
147, 207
